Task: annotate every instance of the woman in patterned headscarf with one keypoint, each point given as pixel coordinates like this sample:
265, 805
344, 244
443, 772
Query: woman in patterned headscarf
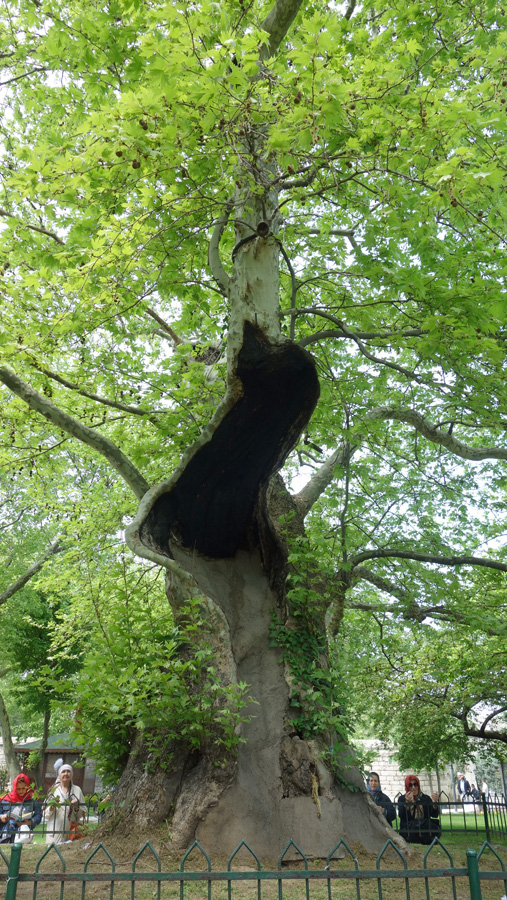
419, 814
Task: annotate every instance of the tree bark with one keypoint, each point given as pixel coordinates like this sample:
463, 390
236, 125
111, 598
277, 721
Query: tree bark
278, 787
43, 747
16, 586
10, 756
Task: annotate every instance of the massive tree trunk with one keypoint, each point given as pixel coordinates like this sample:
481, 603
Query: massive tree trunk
279, 787
280, 790
213, 517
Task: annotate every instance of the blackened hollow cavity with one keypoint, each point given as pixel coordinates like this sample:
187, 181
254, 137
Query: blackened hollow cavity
210, 507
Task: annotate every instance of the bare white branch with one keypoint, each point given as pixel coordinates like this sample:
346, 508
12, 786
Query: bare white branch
277, 24
217, 270
30, 572
436, 435
323, 477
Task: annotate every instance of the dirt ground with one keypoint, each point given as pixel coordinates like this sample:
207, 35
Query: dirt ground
80, 857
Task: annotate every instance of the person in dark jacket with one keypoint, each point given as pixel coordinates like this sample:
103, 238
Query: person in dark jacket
419, 814
382, 800
19, 813
463, 786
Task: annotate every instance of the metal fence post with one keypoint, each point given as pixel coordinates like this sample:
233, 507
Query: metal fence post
12, 880
473, 875
486, 815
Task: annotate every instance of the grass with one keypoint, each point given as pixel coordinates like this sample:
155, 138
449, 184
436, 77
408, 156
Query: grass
464, 828
39, 832
440, 887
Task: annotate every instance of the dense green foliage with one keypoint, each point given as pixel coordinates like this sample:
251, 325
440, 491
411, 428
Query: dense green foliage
413, 687
124, 126
140, 673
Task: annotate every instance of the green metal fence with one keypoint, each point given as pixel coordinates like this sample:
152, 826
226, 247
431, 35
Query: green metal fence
486, 818
89, 813
341, 876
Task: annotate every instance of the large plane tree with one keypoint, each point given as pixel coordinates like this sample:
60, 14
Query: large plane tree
240, 238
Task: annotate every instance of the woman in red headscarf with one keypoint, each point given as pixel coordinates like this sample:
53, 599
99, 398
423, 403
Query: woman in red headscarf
419, 822
18, 809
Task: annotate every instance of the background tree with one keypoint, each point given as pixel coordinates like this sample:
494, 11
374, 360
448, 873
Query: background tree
12, 765
436, 692
26, 641
352, 166
489, 767
27, 632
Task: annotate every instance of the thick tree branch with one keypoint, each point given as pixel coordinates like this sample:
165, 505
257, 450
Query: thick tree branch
277, 24
490, 734
410, 609
339, 232
16, 586
344, 333
165, 327
114, 404
361, 335
71, 426
493, 715
320, 336
293, 290
350, 9
433, 558
436, 435
217, 270
323, 477
295, 183
481, 731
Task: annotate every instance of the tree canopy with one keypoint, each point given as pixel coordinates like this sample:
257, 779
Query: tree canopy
334, 177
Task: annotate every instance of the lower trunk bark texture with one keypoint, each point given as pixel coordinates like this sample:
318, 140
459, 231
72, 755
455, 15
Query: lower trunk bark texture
278, 788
